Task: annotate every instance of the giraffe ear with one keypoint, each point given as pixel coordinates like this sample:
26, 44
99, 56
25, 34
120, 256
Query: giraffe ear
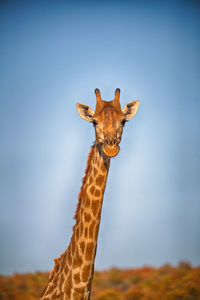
85, 112
130, 109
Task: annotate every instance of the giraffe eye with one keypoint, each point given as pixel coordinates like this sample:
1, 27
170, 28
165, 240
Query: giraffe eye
124, 122
94, 123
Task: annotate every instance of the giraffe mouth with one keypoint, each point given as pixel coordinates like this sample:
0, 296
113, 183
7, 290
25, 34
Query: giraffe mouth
109, 150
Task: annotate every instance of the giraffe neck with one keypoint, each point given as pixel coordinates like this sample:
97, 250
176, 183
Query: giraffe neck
72, 275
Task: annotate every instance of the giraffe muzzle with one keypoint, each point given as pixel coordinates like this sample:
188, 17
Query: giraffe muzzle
110, 147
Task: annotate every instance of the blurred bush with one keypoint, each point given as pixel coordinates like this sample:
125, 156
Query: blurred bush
146, 283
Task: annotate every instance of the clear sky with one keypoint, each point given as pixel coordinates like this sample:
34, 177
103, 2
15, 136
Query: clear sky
54, 54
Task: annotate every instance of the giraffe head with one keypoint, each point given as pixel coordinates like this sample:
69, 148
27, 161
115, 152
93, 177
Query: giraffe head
108, 120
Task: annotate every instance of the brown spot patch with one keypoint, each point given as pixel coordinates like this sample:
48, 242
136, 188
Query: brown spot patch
92, 189
77, 260
57, 266
95, 207
50, 289
97, 193
68, 285
89, 251
66, 270
56, 295
89, 171
61, 282
77, 278
91, 229
44, 291
55, 280
96, 232
87, 217
76, 296
86, 273
82, 246
85, 186
100, 180
81, 227
73, 243
79, 290
99, 214
87, 201
77, 233
86, 232
69, 258
95, 172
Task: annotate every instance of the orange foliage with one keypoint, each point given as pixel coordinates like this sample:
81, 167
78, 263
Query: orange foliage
166, 283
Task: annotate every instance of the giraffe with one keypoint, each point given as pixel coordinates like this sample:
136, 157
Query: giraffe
71, 277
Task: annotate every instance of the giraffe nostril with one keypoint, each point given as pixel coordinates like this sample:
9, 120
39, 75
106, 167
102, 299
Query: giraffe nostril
111, 142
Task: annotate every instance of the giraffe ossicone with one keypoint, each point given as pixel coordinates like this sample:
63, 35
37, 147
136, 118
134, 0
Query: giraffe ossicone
71, 277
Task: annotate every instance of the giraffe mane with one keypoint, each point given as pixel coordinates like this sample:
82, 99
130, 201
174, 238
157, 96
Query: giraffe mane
58, 260
53, 271
80, 196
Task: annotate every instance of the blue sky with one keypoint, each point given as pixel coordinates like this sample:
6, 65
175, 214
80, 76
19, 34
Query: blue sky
54, 54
